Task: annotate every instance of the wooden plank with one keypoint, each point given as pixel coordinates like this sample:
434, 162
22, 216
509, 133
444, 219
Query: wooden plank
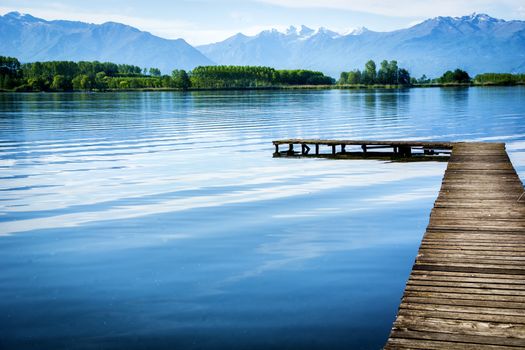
467, 286
446, 294
478, 254
460, 234
418, 344
465, 316
465, 276
464, 309
464, 327
475, 340
488, 213
470, 268
433, 145
464, 302
473, 289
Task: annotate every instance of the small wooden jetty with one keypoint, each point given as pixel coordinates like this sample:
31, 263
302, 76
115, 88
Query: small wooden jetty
467, 286
351, 149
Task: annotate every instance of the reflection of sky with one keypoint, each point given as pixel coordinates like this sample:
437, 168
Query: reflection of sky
178, 196
271, 184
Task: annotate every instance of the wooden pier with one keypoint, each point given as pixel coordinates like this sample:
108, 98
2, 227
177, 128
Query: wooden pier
350, 149
467, 286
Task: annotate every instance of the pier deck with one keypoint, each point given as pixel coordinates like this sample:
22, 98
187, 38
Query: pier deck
365, 149
467, 286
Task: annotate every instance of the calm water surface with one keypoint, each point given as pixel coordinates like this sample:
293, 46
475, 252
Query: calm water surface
161, 220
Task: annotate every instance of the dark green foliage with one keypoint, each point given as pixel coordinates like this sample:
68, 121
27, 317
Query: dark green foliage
403, 77
369, 75
499, 79
217, 77
456, 77
9, 72
301, 77
389, 74
154, 72
68, 76
60, 83
354, 77
180, 79
423, 80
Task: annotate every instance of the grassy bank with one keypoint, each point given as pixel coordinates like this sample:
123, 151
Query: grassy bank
285, 87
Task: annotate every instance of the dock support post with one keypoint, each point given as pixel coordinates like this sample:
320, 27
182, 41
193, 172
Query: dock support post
406, 151
305, 149
290, 149
277, 148
363, 147
317, 149
343, 150
333, 149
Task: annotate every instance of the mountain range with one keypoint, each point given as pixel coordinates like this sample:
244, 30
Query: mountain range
34, 39
476, 43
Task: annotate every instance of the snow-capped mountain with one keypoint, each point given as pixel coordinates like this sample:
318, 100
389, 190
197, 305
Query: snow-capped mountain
477, 43
34, 39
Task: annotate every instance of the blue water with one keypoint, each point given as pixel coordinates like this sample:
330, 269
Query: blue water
161, 220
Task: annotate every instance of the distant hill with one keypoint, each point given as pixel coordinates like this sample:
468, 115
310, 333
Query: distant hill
477, 43
34, 39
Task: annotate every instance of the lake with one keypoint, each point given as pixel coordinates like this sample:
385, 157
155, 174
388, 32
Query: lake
161, 220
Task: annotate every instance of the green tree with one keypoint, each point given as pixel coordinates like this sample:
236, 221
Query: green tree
370, 74
393, 73
457, 76
101, 81
154, 72
180, 79
60, 83
82, 82
383, 73
423, 80
343, 79
355, 77
403, 77
124, 84
498, 79
38, 84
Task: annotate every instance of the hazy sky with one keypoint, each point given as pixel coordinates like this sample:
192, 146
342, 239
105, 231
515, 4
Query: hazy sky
204, 21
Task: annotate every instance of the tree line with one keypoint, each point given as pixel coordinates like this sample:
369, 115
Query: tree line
388, 74
69, 76
499, 79
457, 76
217, 77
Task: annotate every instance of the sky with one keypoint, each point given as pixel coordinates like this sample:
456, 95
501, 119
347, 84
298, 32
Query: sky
206, 21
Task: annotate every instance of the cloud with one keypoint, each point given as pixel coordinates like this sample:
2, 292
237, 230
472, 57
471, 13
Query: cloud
407, 8
169, 29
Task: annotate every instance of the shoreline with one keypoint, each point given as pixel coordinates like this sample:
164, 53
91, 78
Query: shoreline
288, 87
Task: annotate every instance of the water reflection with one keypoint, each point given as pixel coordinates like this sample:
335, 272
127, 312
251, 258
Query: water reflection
160, 220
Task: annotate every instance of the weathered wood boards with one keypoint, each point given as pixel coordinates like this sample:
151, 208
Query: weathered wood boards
467, 286
444, 145
368, 149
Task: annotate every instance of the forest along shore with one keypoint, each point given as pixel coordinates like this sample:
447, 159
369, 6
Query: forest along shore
58, 76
